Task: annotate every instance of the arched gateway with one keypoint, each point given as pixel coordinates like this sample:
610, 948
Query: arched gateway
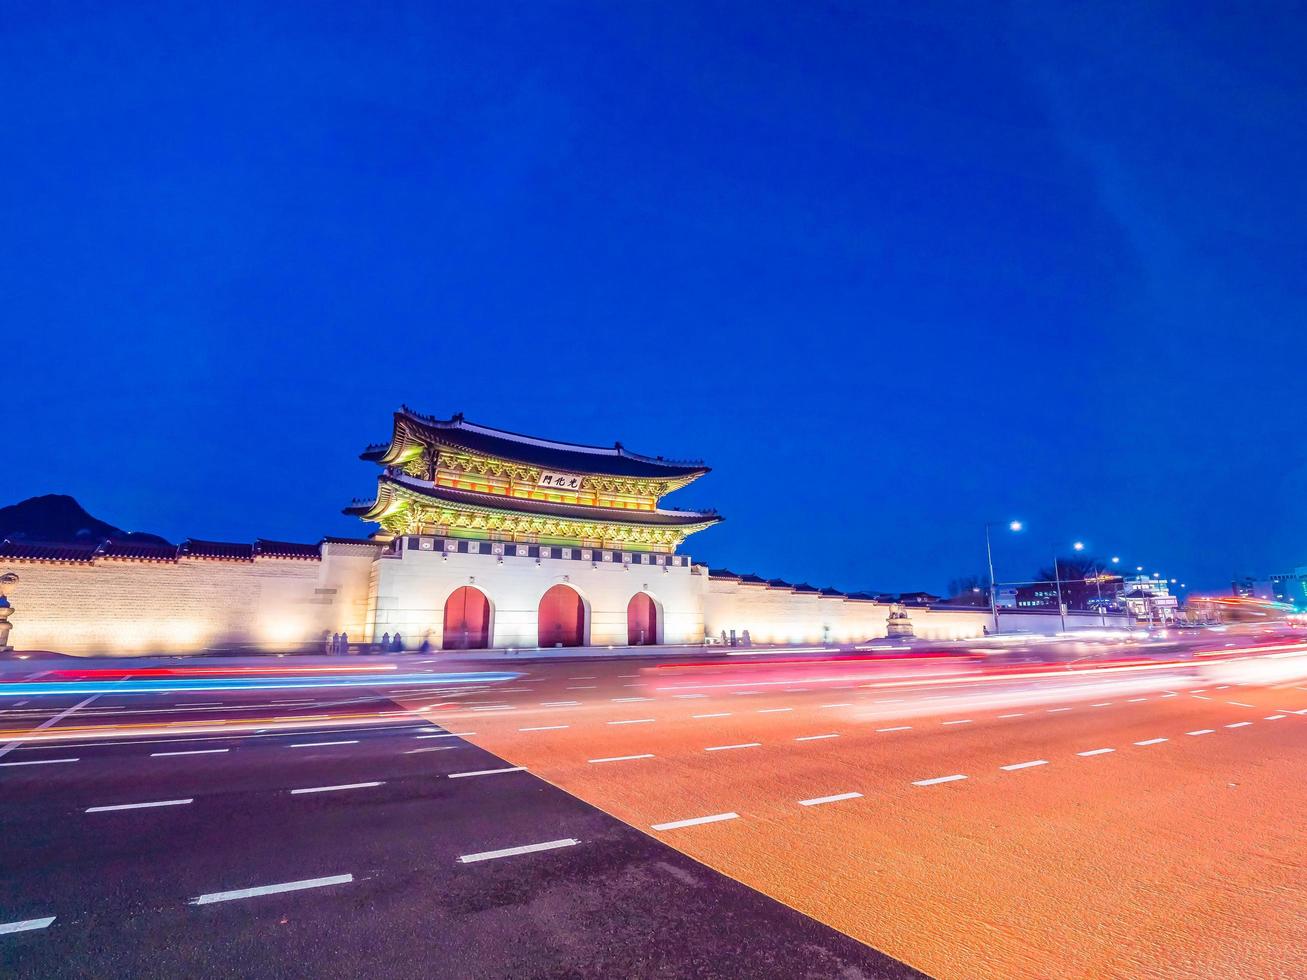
561, 618
467, 620
641, 620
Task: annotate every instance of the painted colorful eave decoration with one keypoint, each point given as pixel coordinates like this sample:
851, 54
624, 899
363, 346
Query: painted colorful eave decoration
407, 510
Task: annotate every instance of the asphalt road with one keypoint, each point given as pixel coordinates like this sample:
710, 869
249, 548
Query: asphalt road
158, 853
1148, 823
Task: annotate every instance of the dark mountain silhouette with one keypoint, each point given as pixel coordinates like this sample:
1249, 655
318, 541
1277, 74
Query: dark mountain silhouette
57, 517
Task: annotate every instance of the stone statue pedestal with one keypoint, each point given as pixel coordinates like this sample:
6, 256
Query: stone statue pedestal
6, 610
898, 624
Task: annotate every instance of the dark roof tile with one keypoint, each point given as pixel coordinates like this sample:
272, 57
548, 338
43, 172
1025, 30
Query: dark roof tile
264, 548
217, 550
46, 551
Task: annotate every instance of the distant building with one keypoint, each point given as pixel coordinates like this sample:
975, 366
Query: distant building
1290, 587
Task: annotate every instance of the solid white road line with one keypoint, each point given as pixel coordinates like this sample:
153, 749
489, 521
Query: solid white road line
1151, 741
288, 886
37, 762
486, 772
716, 714
816, 801
515, 851
544, 728
634, 721
1096, 752
6, 749
938, 779
309, 745
332, 789
1024, 765
1239, 724
157, 755
742, 745
623, 758
896, 728
1202, 731
136, 806
695, 821
813, 738
25, 925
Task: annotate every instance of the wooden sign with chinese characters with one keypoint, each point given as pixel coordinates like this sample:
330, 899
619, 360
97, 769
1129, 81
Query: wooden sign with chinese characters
559, 481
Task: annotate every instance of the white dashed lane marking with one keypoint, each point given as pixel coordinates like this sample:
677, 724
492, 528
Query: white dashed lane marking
623, 758
695, 821
1151, 741
1202, 731
816, 801
634, 721
441, 735
137, 806
1096, 752
772, 711
938, 779
25, 925
1024, 765
842, 704
959, 721
37, 762
310, 745
550, 845
814, 738
1239, 724
160, 755
1015, 714
486, 772
1273, 717
723, 748
544, 728
896, 728
333, 789
288, 886
716, 714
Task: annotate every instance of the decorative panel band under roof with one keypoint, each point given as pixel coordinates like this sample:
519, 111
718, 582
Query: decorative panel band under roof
387, 485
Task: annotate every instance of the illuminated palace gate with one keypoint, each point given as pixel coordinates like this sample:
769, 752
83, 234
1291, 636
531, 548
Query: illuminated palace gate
561, 618
641, 620
499, 510
467, 620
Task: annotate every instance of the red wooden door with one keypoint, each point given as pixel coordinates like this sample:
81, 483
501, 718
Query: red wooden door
467, 620
561, 618
641, 620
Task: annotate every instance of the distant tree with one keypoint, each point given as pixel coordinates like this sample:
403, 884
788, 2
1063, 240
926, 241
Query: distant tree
969, 590
1071, 569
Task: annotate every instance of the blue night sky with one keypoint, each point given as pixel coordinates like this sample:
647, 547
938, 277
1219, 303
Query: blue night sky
891, 269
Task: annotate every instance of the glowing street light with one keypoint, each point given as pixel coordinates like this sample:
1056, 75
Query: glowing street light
1116, 560
1015, 526
1079, 546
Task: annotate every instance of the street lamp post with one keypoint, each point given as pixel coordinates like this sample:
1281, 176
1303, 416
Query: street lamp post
989, 555
1057, 578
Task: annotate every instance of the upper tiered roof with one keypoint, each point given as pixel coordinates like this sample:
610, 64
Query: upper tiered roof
414, 431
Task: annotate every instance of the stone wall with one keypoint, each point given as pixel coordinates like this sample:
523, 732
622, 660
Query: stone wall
118, 607
774, 615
